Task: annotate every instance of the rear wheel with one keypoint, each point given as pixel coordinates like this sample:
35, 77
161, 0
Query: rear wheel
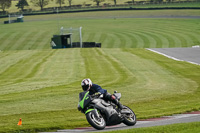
96, 122
129, 118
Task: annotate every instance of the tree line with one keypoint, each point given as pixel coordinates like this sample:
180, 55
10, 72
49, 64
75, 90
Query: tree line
5, 4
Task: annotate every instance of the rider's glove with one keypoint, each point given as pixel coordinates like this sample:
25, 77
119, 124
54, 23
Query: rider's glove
113, 97
97, 93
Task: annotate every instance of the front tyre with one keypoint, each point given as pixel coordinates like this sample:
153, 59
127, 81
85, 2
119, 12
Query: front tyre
98, 123
129, 118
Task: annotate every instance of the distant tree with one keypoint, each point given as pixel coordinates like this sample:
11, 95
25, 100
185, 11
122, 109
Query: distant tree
21, 4
5, 4
169, 0
115, 2
70, 2
60, 2
98, 1
159, 1
40, 3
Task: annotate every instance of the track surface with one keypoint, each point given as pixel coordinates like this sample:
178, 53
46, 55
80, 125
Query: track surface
191, 55
167, 120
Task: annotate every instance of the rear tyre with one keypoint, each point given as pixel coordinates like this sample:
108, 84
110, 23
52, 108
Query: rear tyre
98, 123
130, 118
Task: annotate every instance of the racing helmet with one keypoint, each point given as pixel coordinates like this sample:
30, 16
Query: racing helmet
86, 84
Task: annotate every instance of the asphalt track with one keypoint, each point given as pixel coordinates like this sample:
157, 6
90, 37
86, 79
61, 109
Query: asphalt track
167, 120
191, 55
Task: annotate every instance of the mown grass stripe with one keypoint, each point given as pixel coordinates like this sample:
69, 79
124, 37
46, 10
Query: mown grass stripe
182, 28
10, 58
37, 65
122, 40
90, 37
29, 40
130, 40
45, 41
77, 66
22, 69
36, 38
5, 43
14, 70
121, 72
140, 41
46, 44
152, 40
180, 41
171, 39
10, 45
111, 41
194, 40
94, 71
167, 38
146, 42
133, 40
3, 37
118, 40
191, 36
53, 67
97, 36
162, 40
39, 39
173, 27
126, 76
2, 55
103, 38
70, 64
185, 41
61, 75
19, 42
158, 39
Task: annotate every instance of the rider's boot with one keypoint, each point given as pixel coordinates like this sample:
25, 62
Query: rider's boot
119, 105
114, 100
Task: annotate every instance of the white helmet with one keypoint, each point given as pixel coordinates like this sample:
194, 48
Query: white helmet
86, 84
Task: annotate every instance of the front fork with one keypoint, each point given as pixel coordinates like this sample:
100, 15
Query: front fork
96, 114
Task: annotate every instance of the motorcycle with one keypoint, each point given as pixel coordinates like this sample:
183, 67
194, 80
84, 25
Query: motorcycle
100, 113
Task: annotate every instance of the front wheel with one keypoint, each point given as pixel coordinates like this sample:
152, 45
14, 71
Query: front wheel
129, 118
98, 123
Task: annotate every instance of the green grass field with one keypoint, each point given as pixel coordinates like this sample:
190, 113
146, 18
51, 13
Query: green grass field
41, 85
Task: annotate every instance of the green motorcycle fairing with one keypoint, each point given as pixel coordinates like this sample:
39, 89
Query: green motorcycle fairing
84, 99
89, 110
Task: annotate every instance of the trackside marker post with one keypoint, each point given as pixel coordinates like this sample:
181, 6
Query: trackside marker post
20, 122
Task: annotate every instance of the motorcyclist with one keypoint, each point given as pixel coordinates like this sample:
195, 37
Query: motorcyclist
87, 85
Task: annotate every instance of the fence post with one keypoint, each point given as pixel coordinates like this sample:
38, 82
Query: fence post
80, 37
